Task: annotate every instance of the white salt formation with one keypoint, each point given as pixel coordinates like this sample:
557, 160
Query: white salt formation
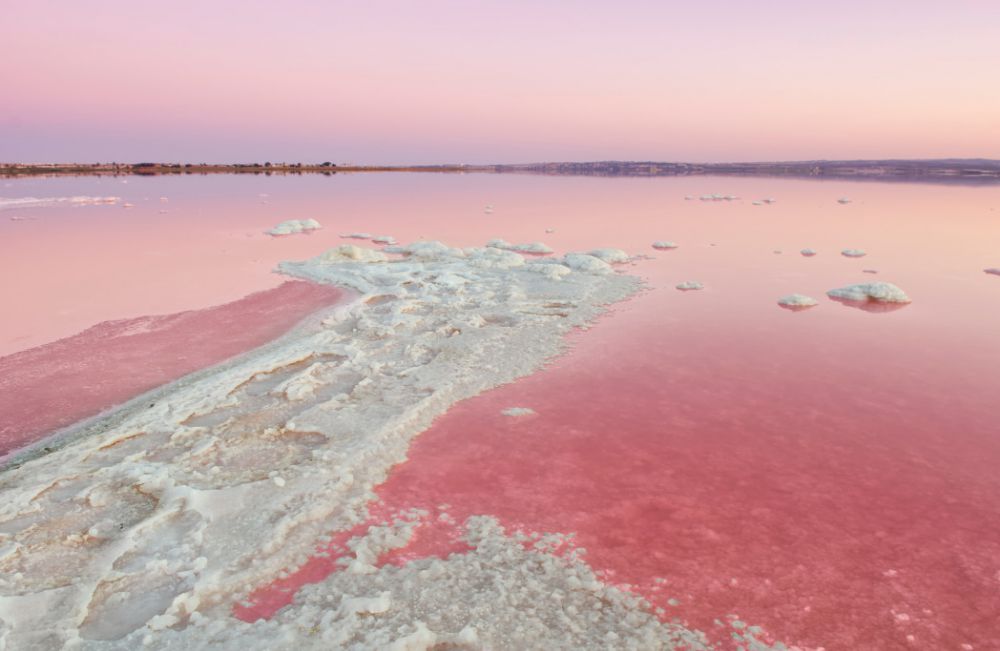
145, 528
797, 300
879, 292
293, 226
853, 253
48, 202
808, 252
662, 245
531, 247
689, 285
518, 411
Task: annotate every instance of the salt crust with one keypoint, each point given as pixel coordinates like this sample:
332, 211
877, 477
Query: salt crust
293, 226
530, 247
47, 202
660, 244
797, 300
880, 292
144, 533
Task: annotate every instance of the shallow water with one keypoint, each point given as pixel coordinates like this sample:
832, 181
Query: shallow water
828, 474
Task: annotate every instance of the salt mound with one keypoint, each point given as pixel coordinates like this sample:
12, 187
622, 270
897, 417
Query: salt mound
587, 263
530, 247
357, 236
853, 253
993, 270
351, 253
293, 226
518, 411
611, 256
660, 244
879, 292
690, 285
808, 252
797, 301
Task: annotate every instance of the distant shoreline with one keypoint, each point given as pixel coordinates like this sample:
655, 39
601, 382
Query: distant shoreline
956, 171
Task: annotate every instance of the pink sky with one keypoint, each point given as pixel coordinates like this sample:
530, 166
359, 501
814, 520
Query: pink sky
498, 81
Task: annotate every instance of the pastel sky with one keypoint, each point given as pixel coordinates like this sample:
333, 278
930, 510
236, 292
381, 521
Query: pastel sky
400, 81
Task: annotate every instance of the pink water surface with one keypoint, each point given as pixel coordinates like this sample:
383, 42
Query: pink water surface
828, 474
45, 388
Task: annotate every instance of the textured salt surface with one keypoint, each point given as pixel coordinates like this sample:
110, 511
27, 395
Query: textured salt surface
530, 247
797, 301
879, 292
293, 226
48, 202
142, 533
52, 386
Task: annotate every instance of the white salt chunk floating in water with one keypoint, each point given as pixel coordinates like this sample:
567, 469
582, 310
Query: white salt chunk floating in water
992, 270
853, 253
808, 252
689, 285
357, 236
660, 244
293, 226
529, 247
518, 411
880, 292
797, 300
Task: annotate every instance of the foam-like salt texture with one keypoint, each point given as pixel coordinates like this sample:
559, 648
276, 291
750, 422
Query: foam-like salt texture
530, 247
879, 292
293, 226
662, 245
144, 533
797, 300
48, 202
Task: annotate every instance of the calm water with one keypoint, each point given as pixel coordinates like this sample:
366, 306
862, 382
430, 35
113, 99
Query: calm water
830, 475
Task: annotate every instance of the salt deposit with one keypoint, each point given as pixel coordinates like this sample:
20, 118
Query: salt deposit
797, 301
293, 226
879, 292
48, 202
662, 245
531, 247
689, 285
518, 411
808, 252
853, 253
144, 532
993, 270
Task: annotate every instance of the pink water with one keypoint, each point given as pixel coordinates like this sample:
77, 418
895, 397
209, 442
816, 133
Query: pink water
828, 474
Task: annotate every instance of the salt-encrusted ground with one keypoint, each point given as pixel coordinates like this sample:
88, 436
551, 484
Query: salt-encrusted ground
148, 531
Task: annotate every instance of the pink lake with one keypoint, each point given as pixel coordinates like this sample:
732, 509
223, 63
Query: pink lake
829, 475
